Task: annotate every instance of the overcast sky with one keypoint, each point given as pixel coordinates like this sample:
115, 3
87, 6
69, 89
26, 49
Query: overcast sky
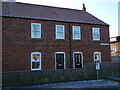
106, 10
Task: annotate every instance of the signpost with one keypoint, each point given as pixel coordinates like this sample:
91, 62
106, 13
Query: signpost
97, 68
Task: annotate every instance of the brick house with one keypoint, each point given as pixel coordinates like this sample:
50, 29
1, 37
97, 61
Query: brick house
115, 46
38, 37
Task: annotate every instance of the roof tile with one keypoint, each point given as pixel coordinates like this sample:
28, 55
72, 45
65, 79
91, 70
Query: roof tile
23, 10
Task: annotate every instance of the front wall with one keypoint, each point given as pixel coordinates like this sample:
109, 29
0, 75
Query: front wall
18, 45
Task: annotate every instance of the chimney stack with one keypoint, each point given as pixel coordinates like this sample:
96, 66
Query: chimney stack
84, 8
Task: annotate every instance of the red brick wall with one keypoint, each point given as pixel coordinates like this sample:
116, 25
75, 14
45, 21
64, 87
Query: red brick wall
18, 45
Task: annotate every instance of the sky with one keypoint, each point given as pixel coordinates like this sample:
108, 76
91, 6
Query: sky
105, 10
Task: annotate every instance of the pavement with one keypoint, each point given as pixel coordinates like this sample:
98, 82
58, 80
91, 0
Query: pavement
81, 84
112, 83
113, 78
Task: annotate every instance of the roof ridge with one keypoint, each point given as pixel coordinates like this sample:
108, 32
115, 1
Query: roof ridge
46, 6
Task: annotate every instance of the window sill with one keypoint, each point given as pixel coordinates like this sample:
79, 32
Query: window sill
76, 39
60, 39
36, 70
36, 38
96, 40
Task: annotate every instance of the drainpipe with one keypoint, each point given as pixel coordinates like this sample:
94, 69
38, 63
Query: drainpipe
70, 47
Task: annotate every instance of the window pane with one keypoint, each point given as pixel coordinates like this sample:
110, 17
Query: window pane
60, 35
33, 65
76, 32
96, 35
35, 61
59, 27
60, 32
36, 34
36, 27
76, 27
36, 57
37, 64
114, 49
36, 30
77, 36
97, 56
95, 31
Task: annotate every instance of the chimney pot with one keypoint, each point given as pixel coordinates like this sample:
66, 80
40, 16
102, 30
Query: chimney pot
84, 8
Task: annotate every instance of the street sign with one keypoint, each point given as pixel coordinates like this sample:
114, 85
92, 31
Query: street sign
97, 66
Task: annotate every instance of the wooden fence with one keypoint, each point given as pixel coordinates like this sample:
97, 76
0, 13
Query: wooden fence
49, 76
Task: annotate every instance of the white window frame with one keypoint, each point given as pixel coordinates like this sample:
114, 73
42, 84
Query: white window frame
74, 58
73, 29
32, 61
113, 49
64, 59
94, 28
100, 56
63, 32
32, 31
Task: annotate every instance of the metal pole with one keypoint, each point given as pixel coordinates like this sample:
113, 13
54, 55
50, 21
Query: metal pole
97, 74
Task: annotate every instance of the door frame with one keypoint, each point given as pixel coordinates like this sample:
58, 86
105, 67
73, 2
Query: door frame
74, 58
64, 59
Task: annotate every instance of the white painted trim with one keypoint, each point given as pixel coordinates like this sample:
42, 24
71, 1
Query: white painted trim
31, 60
74, 59
105, 44
93, 33
32, 29
73, 33
63, 32
97, 53
64, 59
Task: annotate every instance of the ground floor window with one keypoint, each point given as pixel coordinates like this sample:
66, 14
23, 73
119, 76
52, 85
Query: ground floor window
35, 61
60, 60
77, 59
97, 57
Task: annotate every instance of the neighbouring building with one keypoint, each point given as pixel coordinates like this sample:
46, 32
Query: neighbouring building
38, 37
115, 49
115, 46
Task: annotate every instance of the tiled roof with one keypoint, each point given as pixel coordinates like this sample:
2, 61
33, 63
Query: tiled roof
23, 10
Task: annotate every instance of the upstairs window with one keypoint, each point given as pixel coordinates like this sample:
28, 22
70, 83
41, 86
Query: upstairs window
97, 57
35, 30
96, 33
76, 32
60, 32
35, 61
